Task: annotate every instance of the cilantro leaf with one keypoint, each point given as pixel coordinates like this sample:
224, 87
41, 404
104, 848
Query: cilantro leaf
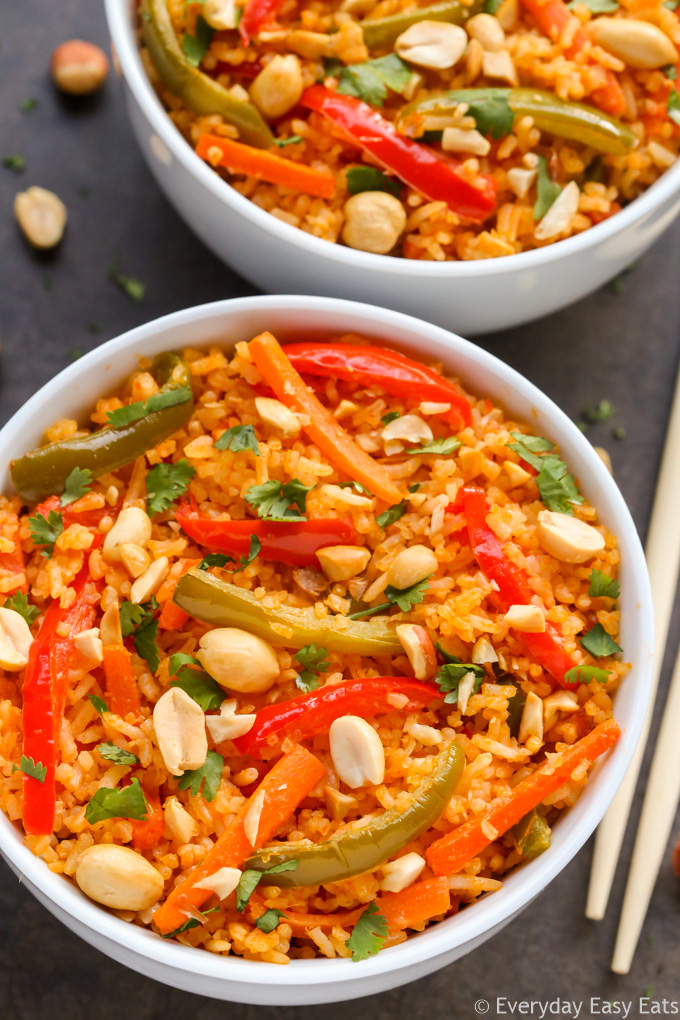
253, 552
209, 775
195, 682
98, 703
442, 446
239, 437
603, 586
584, 674
46, 531
196, 46
273, 500
602, 412
313, 660
78, 483
19, 603
215, 560
391, 515
404, 598
14, 162
369, 178
546, 190
192, 922
140, 622
556, 486
599, 643
596, 6
131, 615
449, 677
371, 80
165, 483
250, 879
390, 416
269, 920
130, 285
490, 109
125, 802
143, 408
369, 934
117, 754
282, 142
33, 769
357, 486
29, 105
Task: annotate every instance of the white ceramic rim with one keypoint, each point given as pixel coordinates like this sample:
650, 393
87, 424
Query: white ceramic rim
487, 912
123, 38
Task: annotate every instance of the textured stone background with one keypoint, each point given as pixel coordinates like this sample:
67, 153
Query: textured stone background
622, 346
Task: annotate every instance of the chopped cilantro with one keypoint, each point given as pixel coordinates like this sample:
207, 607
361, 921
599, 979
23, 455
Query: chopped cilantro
274, 500
357, 486
193, 922
369, 178
98, 703
546, 190
673, 106
14, 162
250, 879
29, 105
19, 603
490, 109
584, 674
140, 622
195, 682
671, 71
215, 560
450, 675
196, 46
117, 754
253, 552
619, 433
282, 142
75, 354
131, 615
439, 446
603, 586
371, 80
313, 660
30, 768
404, 598
238, 437
269, 920
78, 483
142, 408
165, 483
602, 412
209, 776
390, 416
130, 285
369, 934
46, 530
391, 515
598, 642
596, 6
556, 486
126, 802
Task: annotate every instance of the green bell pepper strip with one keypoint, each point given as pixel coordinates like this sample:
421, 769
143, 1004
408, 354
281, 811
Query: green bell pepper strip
366, 848
43, 472
382, 32
214, 601
575, 121
196, 90
531, 835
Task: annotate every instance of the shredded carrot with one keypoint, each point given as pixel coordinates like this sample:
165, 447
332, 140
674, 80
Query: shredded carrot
266, 166
460, 846
147, 833
285, 786
122, 692
323, 429
171, 616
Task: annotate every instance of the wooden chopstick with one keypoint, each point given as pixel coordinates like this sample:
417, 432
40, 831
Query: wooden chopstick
663, 560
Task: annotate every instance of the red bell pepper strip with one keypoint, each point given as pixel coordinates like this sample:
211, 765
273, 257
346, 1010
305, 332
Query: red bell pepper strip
513, 586
296, 544
256, 15
44, 697
305, 716
71, 515
147, 833
433, 175
12, 563
392, 371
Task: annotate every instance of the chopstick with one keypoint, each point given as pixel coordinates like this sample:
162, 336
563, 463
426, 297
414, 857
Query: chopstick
663, 560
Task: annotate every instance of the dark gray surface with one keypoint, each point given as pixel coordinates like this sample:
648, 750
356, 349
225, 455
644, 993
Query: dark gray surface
624, 347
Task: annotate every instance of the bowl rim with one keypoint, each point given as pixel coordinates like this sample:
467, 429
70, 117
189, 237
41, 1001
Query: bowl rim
523, 884
125, 48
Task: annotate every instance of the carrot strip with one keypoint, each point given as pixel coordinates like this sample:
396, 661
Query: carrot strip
452, 851
238, 158
171, 616
323, 429
146, 834
121, 683
285, 786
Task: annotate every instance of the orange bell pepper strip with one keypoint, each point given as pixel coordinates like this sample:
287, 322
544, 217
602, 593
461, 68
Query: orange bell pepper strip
238, 158
285, 787
147, 833
122, 690
171, 616
12, 566
323, 429
450, 853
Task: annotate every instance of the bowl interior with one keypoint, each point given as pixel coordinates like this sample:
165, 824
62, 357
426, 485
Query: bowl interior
73, 392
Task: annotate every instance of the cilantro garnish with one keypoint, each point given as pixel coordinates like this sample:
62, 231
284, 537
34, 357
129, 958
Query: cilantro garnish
602, 412
599, 643
250, 879
556, 486
30, 768
282, 142
390, 416
253, 552
371, 80
29, 105
391, 515
140, 622
404, 598
19, 603
442, 446
603, 586
671, 71
194, 681
98, 703
126, 802
46, 530
165, 483
449, 677
193, 922
215, 560
78, 483
14, 162
369, 934
238, 437
276, 501
269, 920
196, 46
546, 190
490, 109
130, 285
369, 178
131, 615
357, 486
117, 754
313, 660
142, 408
209, 776
596, 6
584, 674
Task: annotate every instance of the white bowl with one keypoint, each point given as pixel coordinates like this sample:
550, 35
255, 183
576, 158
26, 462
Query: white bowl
470, 297
73, 393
